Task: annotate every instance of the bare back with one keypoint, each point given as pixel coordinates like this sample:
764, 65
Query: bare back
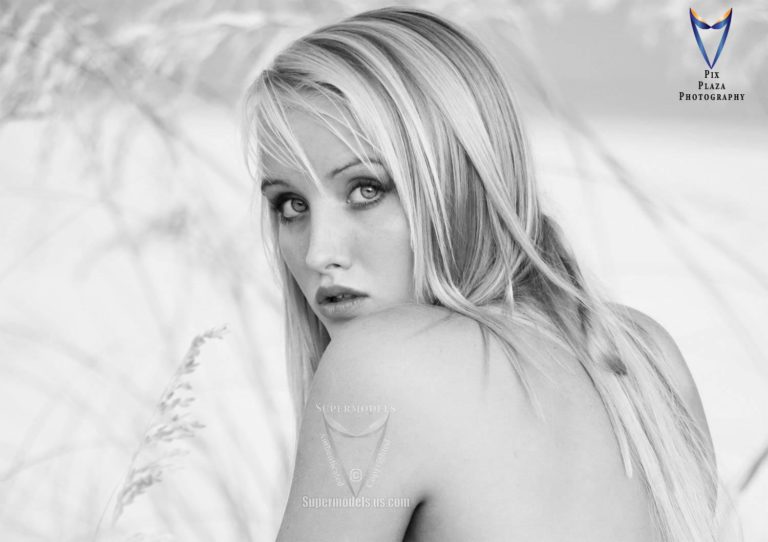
515, 476
465, 447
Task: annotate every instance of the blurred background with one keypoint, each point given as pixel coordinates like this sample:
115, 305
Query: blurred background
129, 228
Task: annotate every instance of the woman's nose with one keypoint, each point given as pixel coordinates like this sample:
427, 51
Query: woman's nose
329, 240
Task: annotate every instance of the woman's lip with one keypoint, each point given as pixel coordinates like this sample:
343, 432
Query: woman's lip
344, 309
324, 293
347, 296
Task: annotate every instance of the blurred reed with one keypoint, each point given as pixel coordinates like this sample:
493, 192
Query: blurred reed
172, 422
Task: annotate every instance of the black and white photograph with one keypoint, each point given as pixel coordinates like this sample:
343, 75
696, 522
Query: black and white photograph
352, 270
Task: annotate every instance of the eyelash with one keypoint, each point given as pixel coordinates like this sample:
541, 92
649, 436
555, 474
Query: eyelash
277, 203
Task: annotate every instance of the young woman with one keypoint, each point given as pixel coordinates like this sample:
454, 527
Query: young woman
459, 378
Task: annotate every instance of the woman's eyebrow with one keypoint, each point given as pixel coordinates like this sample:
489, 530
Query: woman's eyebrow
366, 160
267, 182
271, 182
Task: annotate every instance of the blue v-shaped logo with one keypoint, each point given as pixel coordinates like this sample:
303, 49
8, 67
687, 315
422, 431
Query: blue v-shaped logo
698, 23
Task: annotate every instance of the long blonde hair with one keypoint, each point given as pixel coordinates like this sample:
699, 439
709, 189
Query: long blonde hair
434, 106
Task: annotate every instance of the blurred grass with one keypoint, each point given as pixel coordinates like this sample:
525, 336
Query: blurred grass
128, 229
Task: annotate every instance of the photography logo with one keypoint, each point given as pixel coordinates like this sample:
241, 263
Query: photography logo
697, 23
712, 87
356, 454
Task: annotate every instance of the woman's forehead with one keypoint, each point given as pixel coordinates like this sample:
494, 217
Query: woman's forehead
317, 139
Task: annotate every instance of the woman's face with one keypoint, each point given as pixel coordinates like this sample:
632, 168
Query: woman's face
346, 242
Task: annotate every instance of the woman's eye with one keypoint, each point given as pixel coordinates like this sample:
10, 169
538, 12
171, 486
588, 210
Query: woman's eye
291, 208
365, 194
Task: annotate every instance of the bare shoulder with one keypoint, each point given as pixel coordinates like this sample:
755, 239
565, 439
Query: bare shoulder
399, 350
423, 361
413, 323
405, 341
379, 404
673, 362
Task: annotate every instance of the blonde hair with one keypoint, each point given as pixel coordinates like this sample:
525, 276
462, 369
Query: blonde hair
435, 108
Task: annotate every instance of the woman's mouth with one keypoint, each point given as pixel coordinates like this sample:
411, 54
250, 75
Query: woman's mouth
338, 302
342, 307
336, 294
342, 297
